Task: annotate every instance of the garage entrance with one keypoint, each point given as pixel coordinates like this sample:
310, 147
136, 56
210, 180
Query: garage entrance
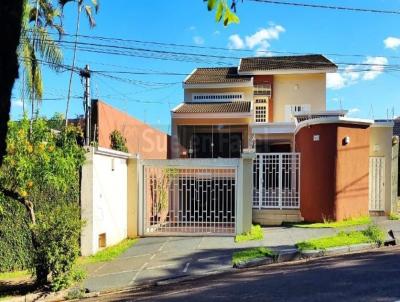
189, 197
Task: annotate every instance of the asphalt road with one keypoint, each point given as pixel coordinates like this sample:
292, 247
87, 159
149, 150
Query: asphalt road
373, 276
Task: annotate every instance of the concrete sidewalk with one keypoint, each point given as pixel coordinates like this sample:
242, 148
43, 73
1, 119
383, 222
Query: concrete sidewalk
157, 258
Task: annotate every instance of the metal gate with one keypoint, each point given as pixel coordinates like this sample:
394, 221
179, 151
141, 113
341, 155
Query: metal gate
187, 199
276, 181
376, 183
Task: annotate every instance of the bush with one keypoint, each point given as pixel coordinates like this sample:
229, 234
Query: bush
41, 170
375, 234
58, 229
118, 141
15, 242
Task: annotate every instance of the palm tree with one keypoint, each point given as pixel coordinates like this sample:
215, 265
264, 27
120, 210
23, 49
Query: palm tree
89, 14
37, 47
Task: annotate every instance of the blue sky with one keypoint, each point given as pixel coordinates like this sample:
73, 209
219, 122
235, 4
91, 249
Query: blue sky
262, 27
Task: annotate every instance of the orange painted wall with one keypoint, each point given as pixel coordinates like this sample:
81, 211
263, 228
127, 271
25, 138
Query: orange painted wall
262, 79
150, 143
352, 170
317, 171
334, 177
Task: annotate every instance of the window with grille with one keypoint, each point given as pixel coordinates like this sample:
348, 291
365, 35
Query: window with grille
217, 97
261, 114
263, 89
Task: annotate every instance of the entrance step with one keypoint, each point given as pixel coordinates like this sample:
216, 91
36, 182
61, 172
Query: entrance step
276, 216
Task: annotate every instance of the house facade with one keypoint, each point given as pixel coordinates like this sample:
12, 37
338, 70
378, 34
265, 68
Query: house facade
310, 163
253, 105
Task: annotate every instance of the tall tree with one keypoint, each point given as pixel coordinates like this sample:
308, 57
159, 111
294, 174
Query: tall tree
94, 4
10, 23
37, 46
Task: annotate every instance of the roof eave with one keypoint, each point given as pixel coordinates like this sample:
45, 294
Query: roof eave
248, 83
288, 71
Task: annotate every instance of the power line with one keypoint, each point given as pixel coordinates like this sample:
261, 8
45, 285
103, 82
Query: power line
332, 7
175, 45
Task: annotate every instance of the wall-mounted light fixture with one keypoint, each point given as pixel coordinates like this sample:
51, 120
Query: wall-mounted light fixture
296, 87
346, 140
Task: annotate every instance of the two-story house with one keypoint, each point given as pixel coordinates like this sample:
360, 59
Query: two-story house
277, 107
253, 105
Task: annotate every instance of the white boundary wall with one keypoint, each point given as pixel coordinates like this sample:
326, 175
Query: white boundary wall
103, 198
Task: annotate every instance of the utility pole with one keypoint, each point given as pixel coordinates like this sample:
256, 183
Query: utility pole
85, 73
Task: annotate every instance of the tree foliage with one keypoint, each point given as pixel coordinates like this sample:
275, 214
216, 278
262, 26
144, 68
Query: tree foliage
37, 46
41, 173
223, 11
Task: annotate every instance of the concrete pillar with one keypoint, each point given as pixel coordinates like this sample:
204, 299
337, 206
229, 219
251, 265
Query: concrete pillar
395, 173
133, 198
87, 240
245, 192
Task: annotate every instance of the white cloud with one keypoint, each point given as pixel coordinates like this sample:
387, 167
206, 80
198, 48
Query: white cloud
261, 37
17, 103
353, 111
392, 42
376, 67
198, 40
335, 81
192, 28
236, 42
368, 70
258, 41
217, 32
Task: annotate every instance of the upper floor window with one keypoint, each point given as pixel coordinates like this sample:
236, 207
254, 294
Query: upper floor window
261, 110
217, 97
291, 110
263, 89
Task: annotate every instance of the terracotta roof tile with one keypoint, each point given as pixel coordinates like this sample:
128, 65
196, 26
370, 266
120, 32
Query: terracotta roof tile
231, 107
216, 75
285, 62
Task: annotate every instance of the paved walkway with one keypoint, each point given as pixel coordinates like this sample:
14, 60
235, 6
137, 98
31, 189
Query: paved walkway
157, 258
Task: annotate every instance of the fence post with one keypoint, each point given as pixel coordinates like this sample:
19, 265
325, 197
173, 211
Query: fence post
395, 173
133, 198
245, 192
280, 180
260, 179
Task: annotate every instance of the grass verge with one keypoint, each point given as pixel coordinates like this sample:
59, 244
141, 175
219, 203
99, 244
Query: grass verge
394, 216
256, 233
336, 224
250, 254
108, 253
14, 275
370, 235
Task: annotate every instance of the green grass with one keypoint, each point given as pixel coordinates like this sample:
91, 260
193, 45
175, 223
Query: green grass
336, 224
394, 216
370, 235
249, 254
109, 253
14, 275
256, 233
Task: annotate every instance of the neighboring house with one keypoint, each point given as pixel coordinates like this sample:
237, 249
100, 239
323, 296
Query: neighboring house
226, 110
277, 107
141, 139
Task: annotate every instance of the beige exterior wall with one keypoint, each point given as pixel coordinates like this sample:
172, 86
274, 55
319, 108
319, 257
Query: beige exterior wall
247, 91
381, 145
103, 199
298, 89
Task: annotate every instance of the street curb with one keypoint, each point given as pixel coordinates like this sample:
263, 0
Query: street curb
255, 262
295, 254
